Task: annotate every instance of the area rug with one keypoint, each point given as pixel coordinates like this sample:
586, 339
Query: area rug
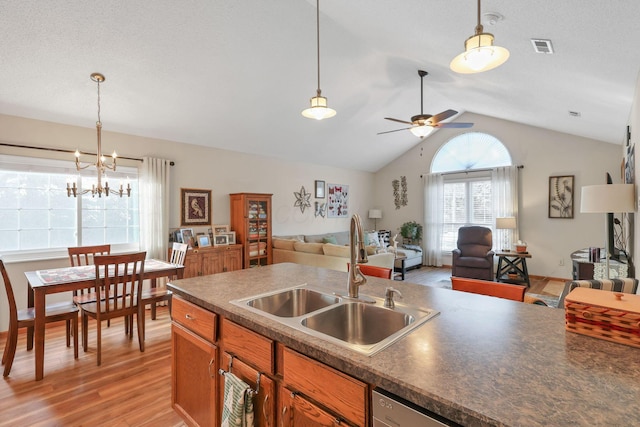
553, 287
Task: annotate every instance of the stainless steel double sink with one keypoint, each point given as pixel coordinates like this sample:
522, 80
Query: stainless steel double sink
363, 325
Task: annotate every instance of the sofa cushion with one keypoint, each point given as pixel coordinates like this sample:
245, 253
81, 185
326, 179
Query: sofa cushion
297, 237
312, 248
330, 239
371, 238
342, 237
336, 250
286, 244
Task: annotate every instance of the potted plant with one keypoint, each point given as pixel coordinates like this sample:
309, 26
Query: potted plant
412, 231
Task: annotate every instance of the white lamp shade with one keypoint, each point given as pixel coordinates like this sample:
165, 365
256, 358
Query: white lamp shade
479, 55
375, 213
608, 198
507, 223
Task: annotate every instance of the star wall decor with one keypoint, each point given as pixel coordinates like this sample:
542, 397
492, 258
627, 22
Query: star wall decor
302, 199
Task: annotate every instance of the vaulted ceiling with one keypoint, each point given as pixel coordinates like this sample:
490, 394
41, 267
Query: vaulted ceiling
237, 74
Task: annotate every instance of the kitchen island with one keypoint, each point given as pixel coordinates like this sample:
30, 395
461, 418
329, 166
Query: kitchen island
482, 361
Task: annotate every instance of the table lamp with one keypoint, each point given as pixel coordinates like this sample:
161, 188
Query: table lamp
375, 214
506, 223
607, 198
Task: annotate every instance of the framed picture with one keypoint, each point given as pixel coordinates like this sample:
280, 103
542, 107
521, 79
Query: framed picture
231, 237
319, 189
186, 234
220, 229
195, 207
338, 201
203, 240
561, 196
221, 239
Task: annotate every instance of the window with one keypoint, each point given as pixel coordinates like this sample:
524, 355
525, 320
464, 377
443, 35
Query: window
467, 201
37, 217
465, 163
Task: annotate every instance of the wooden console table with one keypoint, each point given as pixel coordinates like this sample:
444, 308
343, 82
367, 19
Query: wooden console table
512, 268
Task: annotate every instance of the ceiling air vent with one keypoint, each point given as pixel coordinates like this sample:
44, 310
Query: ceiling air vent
542, 46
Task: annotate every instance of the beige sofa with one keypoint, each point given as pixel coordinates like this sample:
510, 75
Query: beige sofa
327, 250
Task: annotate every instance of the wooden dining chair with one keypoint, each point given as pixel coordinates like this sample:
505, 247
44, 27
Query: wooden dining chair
84, 255
155, 295
119, 277
485, 287
65, 311
374, 271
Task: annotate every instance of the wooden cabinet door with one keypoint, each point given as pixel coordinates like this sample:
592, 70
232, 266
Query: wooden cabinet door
264, 403
212, 261
193, 377
233, 259
296, 411
191, 265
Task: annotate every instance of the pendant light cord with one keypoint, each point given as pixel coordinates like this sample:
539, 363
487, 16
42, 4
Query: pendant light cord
99, 121
318, 41
479, 27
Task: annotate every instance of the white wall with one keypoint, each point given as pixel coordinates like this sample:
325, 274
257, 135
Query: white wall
221, 171
543, 153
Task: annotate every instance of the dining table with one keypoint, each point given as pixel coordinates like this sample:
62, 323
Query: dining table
44, 282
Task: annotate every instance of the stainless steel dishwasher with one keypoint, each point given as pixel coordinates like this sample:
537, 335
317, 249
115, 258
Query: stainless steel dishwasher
392, 411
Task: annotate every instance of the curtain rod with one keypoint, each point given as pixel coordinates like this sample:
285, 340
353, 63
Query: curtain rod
472, 170
60, 150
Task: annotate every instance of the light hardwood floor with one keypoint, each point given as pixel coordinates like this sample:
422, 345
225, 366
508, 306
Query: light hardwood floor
129, 389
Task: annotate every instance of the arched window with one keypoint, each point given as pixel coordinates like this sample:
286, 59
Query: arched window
475, 186
471, 150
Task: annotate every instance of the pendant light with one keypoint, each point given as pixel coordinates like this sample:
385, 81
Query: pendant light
318, 109
480, 54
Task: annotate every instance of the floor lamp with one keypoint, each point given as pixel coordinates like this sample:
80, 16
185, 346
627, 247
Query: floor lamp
375, 215
608, 198
506, 223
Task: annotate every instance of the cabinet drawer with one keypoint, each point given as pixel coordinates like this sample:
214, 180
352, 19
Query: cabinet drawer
249, 346
339, 392
194, 318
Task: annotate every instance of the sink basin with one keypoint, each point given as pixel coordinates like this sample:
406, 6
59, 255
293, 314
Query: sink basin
293, 302
363, 325
358, 323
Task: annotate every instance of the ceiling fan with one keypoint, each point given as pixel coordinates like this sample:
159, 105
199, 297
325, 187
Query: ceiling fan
422, 124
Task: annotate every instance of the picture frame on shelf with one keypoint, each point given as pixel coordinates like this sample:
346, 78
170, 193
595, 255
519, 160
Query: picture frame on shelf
195, 207
203, 241
319, 186
231, 237
561, 189
221, 240
186, 235
220, 229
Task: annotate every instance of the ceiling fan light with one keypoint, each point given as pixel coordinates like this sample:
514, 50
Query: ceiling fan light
319, 109
421, 131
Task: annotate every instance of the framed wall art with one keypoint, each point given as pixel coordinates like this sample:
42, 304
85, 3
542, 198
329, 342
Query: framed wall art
195, 207
338, 201
561, 196
319, 186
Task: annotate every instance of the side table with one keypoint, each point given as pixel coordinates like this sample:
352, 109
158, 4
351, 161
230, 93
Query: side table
403, 267
512, 268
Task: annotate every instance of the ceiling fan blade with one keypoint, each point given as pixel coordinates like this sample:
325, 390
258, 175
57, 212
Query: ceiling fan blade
443, 116
398, 120
453, 125
389, 131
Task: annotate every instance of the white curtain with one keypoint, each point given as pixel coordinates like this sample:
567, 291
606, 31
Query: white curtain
504, 186
433, 218
154, 207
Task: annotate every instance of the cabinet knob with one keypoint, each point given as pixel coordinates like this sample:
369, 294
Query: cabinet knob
188, 316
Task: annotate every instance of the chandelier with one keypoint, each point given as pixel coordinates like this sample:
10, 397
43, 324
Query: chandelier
100, 163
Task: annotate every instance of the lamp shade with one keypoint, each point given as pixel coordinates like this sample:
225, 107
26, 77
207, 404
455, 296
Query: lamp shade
507, 223
375, 213
608, 198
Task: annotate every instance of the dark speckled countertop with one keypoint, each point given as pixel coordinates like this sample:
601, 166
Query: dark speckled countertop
482, 361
